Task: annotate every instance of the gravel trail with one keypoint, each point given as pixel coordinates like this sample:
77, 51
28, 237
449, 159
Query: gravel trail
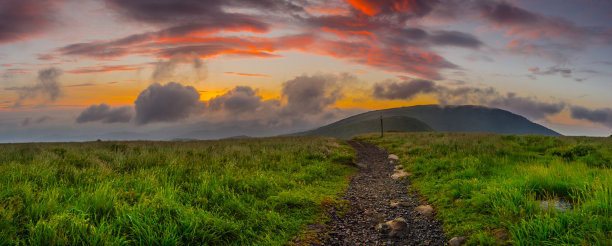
370, 194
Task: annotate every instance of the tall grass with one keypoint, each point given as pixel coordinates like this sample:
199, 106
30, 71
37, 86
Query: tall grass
483, 183
229, 192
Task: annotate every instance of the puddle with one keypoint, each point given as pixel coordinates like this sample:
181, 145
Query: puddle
560, 205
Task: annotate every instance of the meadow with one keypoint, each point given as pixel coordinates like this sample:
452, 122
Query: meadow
485, 185
226, 192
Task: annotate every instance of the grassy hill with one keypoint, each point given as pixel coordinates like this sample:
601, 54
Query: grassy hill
348, 128
227, 192
445, 119
486, 185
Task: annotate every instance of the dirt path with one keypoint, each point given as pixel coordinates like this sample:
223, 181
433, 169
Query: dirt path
369, 194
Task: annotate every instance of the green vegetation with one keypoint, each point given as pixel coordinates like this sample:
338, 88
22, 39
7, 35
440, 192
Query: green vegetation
251, 191
348, 129
481, 184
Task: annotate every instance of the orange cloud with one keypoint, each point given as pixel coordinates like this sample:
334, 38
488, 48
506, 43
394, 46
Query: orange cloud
103, 69
248, 74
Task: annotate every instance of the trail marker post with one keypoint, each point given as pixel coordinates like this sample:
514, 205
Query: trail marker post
381, 127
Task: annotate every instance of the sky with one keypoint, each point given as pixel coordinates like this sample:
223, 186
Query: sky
79, 70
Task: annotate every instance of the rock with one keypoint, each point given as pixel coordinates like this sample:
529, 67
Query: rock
395, 203
393, 228
560, 205
361, 165
425, 210
457, 241
404, 204
393, 157
501, 236
399, 174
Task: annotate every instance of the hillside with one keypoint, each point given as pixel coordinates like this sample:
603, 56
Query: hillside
465, 118
346, 129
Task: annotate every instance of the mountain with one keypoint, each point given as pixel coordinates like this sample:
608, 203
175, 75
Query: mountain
464, 118
347, 128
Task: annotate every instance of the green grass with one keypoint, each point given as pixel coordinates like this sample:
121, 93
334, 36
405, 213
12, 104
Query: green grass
228, 192
482, 183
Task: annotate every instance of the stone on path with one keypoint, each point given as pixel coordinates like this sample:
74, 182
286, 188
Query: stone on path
393, 157
395, 203
399, 173
457, 241
393, 228
425, 210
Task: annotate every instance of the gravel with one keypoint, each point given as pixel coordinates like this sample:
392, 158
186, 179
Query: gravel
370, 194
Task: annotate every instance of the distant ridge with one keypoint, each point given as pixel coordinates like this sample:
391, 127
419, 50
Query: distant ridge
463, 118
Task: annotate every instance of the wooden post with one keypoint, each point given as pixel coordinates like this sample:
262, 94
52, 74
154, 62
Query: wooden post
381, 127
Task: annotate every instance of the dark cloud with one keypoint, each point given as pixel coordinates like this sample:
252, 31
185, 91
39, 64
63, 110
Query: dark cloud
455, 38
34, 121
167, 103
105, 114
189, 15
47, 87
565, 72
530, 107
399, 8
602, 115
23, 19
402, 90
504, 13
312, 94
241, 99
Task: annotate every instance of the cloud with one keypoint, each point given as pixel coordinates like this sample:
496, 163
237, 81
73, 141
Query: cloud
404, 7
24, 19
312, 94
47, 87
167, 103
565, 72
455, 38
602, 115
402, 90
241, 99
248, 74
29, 121
103, 69
530, 107
378, 37
105, 114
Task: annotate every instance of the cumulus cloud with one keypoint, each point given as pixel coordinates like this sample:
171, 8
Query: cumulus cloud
167, 103
34, 121
105, 114
311, 94
241, 99
47, 87
530, 107
602, 115
402, 90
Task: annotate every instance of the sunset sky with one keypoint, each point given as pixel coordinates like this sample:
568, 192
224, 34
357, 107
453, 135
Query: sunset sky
161, 69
